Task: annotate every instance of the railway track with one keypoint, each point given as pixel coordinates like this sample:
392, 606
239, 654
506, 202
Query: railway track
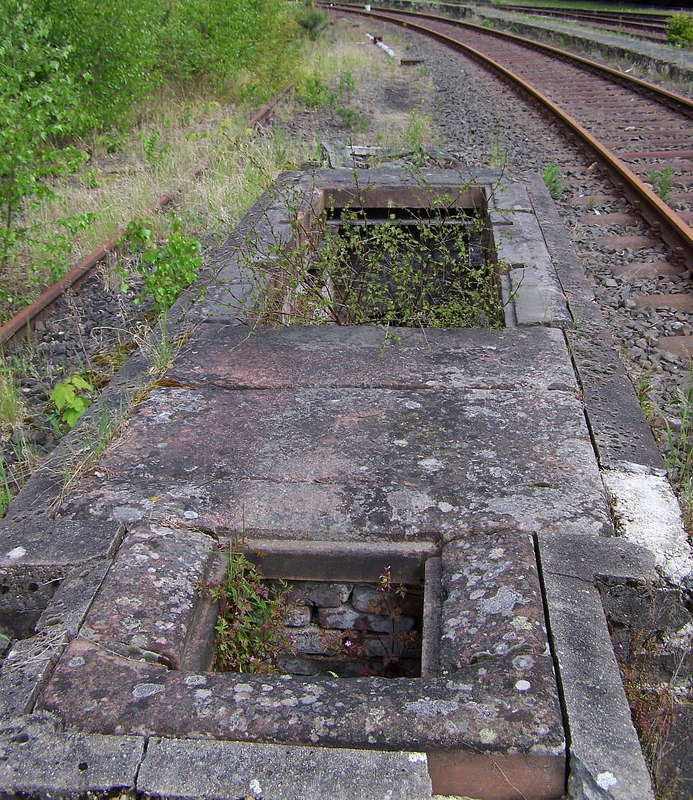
651, 27
639, 133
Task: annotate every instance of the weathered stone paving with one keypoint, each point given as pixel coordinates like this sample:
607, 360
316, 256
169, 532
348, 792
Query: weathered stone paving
462, 459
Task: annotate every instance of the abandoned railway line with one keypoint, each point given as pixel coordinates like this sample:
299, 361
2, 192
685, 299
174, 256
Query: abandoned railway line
506, 477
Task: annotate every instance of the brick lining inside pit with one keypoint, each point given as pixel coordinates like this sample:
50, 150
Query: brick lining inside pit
353, 630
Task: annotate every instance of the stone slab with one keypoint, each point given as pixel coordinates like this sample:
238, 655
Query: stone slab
349, 464
26, 669
493, 604
605, 757
186, 770
72, 599
147, 601
364, 356
54, 544
37, 761
483, 707
617, 425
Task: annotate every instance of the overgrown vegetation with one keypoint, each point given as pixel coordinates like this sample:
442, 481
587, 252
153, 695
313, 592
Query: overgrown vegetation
74, 74
680, 29
426, 272
250, 632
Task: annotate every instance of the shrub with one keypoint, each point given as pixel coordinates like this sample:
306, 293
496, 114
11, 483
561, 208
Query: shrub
680, 29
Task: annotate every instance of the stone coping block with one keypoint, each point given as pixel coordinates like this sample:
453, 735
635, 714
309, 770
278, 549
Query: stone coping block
146, 603
187, 770
35, 760
368, 357
493, 603
54, 545
486, 707
606, 762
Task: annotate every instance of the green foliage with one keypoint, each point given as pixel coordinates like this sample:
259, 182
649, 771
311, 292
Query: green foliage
250, 633
167, 268
661, 182
71, 398
680, 29
417, 275
351, 119
311, 20
552, 179
313, 92
39, 108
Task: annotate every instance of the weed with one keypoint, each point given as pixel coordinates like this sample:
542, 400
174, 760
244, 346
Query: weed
250, 632
643, 390
679, 449
590, 202
351, 119
158, 345
71, 398
680, 29
311, 20
12, 407
661, 182
313, 92
167, 268
415, 132
154, 152
5, 490
552, 179
498, 155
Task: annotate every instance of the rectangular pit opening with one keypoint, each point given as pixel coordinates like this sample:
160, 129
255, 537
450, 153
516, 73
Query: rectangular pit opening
408, 257
321, 613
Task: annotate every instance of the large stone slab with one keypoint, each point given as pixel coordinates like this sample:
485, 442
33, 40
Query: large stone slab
483, 707
370, 357
350, 463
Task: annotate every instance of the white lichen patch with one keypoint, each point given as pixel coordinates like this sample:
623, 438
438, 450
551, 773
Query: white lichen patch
647, 513
15, 553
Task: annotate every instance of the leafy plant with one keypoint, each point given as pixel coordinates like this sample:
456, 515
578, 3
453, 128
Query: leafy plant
661, 182
313, 92
154, 151
552, 179
352, 119
311, 20
167, 268
420, 274
71, 398
250, 632
680, 29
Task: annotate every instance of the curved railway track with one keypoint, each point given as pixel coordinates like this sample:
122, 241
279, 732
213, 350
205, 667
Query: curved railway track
639, 133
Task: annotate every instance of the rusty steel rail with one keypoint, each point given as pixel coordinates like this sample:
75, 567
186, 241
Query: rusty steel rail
22, 320
665, 222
